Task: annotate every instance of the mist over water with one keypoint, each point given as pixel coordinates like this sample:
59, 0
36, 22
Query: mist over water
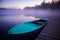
21, 16
12, 17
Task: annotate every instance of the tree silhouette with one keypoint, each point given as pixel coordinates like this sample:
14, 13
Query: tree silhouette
52, 5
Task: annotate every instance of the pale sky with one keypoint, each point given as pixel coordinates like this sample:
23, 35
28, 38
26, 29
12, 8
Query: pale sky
20, 3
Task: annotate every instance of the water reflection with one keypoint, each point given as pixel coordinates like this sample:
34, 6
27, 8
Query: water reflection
18, 18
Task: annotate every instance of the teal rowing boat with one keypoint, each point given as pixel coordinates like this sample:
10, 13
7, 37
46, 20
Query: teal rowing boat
29, 28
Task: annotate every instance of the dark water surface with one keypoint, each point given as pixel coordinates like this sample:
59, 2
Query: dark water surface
10, 18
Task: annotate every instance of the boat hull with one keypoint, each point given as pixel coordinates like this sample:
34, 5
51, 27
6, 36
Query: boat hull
29, 35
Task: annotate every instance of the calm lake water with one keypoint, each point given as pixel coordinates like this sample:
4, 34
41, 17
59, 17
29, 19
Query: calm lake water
10, 18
